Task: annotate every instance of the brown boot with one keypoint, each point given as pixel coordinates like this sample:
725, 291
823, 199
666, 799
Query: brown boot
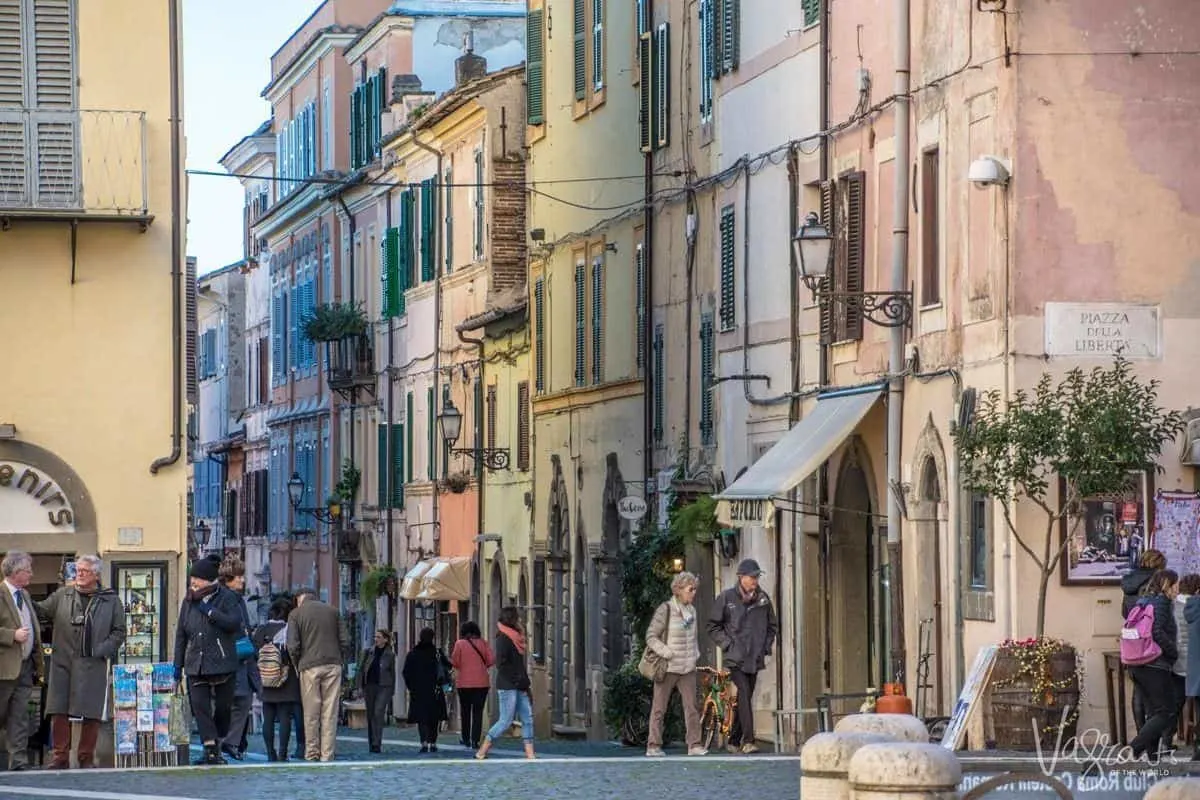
89, 734
60, 734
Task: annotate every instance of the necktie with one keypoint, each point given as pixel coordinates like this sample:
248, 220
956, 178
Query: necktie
20, 600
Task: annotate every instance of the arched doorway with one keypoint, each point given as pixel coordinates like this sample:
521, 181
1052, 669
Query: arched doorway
855, 583
495, 592
558, 611
579, 626
929, 681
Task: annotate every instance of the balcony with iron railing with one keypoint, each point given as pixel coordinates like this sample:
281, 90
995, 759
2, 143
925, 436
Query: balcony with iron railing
74, 165
350, 361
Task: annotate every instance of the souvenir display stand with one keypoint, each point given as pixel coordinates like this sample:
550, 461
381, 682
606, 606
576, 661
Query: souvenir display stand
144, 704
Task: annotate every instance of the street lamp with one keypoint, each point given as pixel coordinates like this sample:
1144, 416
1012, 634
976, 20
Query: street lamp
200, 535
813, 248
296, 488
450, 420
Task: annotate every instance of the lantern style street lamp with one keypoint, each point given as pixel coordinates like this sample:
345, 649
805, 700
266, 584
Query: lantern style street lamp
450, 420
296, 488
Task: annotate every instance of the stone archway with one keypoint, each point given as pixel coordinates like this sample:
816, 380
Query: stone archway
927, 540
854, 589
44, 505
558, 610
614, 533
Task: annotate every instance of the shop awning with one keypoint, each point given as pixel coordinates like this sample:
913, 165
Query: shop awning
749, 500
412, 580
447, 579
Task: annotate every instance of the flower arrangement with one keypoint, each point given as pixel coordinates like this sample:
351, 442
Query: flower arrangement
1030, 666
379, 581
457, 482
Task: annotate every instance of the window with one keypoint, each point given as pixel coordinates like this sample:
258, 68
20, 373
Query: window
646, 92
729, 35
662, 86
391, 276
597, 320
597, 45
37, 72
407, 230
728, 269
391, 466
978, 542
812, 11
448, 239
431, 435
523, 432
279, 338
539, 335
931, 262
849, 279
208, 354
479, 200
706, 378
326, 126
535, 68
296, 148
660, 384
580, 322
639, 263
428, 233
579, 29
707, 58
367, 103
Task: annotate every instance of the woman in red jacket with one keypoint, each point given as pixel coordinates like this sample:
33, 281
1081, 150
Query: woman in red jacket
472, 658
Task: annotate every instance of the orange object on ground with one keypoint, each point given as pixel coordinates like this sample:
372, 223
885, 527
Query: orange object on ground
893, 700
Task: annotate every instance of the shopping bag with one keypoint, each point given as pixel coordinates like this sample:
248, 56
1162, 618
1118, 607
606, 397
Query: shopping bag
181, 719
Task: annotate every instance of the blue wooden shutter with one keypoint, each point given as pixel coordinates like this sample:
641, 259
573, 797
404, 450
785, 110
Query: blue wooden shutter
706, 376
639, 258
728, 262
397, 466
580, 323
708, 60
539, 335
294, 326
597, 320
660, 384
535, 69
383, 466
409, 421
580, 32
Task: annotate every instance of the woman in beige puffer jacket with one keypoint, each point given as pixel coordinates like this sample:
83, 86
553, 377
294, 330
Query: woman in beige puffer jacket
673, 635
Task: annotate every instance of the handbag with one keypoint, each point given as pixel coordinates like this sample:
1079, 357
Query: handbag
652, 665
245, 648
180, 723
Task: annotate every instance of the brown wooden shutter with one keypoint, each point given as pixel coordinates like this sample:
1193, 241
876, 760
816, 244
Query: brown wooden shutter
856, 240
825, 306
523, 435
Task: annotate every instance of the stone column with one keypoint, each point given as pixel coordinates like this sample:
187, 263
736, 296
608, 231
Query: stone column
825, 764
904, 771
896, 727
1175, 789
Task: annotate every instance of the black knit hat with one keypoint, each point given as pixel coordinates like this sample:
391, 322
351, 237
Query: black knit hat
204, 569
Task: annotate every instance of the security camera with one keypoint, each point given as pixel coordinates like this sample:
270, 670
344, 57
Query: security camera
989, 171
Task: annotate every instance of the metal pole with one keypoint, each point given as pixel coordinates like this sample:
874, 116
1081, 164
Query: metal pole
895, 410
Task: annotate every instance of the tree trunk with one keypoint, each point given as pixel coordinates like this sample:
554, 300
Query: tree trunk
1043, 587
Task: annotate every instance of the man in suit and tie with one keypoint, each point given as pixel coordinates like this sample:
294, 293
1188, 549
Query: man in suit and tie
20, 655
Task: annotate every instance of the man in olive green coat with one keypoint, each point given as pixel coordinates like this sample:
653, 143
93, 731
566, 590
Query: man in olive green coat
20, 655
89, 629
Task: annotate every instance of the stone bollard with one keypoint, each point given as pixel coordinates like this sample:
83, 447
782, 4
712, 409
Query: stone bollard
896, 727
825, 764
1175, 789
904, 771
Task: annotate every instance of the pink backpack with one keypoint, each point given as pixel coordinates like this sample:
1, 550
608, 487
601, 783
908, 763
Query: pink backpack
1138, 647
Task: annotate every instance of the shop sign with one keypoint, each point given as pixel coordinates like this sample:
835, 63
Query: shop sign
631, 508
32, 502
747, 511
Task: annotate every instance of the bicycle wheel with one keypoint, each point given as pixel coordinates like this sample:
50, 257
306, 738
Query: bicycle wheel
635, 731
710, 726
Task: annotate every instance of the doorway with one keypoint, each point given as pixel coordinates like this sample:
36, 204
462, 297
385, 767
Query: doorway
929, 682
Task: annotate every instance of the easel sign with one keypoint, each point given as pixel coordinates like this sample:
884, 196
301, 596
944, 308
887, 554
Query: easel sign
977, 681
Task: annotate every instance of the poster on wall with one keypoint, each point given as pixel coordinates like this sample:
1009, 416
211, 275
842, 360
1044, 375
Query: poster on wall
1107, 534
1177, 530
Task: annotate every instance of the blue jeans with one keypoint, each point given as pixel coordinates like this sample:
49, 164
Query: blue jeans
512, 703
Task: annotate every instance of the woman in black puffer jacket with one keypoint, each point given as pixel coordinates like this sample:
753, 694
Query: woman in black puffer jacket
210, 622
1154, 679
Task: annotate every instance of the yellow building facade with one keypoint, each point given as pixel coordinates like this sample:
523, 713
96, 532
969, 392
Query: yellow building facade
95, 292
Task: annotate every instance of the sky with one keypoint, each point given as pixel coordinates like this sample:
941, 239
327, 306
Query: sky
227, 47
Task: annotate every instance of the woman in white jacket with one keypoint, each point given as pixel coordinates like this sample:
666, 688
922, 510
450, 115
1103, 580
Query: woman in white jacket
673, 636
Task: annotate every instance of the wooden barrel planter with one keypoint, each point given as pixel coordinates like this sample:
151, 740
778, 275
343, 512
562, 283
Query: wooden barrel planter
1033, 684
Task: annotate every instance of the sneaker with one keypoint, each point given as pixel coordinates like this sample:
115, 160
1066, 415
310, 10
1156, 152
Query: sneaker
733, 748
654, 752
747, 749
697, 751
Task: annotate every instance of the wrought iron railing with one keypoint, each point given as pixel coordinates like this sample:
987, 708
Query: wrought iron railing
350, 360
80, 160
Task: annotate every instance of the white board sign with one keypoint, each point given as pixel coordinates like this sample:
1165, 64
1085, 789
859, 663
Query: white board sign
1101, 330
972, 690
631, 508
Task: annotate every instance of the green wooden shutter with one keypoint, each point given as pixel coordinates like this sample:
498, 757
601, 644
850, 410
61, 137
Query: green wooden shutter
812, 11
407, 262
355, 129
731, 23
539, 335
382, 461
535, 70
662, 86
580, 31
397, 466
598, 320
448, 239
380, 103
431, 433
409, 421
728, 264
856, 240
580, 323
387, 277
706, 376
646, 91
428, 228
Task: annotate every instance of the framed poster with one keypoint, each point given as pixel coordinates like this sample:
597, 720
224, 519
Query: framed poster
1107, 534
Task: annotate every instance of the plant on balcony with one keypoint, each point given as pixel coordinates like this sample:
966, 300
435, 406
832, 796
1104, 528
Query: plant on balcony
330, 322
457, 482
1090, 429
379, 581
347, 486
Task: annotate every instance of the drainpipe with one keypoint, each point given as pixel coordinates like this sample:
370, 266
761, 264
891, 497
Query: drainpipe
389, 548
648, 376
479, 512
822, 489
353, 229
437, 330
895, 409
797, 534
177, 233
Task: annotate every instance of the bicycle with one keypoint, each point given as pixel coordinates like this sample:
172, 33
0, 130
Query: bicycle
717, 709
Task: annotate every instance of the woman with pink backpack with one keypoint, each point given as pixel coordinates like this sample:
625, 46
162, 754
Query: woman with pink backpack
1149, 648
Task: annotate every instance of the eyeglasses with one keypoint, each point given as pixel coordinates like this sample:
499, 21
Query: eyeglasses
84, 571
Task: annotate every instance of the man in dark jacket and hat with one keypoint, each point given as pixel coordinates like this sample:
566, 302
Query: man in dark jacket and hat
744, 626
89, 629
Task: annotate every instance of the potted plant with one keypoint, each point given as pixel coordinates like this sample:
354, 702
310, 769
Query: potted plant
331, 322
380, 580
457, 482
347, 486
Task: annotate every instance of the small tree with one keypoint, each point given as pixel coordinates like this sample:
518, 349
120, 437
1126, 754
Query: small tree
1090, 429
